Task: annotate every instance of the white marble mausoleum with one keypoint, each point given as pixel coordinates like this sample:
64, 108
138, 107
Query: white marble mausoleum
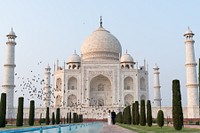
100, 76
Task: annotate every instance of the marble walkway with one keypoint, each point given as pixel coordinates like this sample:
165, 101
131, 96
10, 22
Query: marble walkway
114, 129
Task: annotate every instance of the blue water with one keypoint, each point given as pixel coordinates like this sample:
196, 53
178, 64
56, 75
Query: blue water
92, 127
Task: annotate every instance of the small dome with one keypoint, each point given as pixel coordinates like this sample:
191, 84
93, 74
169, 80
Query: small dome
189, 32
126, 58
48, 66
101, 45
74, 58
156, 67
11, 33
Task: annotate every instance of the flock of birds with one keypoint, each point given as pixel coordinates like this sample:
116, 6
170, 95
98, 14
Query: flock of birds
31, 87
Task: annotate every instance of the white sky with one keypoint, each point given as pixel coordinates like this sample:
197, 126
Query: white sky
48, 30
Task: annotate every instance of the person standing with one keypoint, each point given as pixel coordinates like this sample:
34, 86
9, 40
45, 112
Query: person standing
109, 117
113, 115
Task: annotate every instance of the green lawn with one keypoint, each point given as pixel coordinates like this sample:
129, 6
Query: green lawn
156, 129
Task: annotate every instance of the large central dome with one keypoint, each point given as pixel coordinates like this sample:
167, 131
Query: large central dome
101, 45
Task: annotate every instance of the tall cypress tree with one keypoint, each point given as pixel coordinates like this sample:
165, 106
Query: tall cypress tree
53, 118
160, 118
20, 112
119, 117
58, 116
124, 116
137, 116
128, 114
81, 118
133, 114
47, 120
3, 110
70, 117
75, 117
142, 113
31, 113
177, 112
149, 113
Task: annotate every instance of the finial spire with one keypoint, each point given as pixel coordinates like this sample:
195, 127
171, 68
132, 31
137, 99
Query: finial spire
11, 34
101, 21
189, 34
126, 51
75, 51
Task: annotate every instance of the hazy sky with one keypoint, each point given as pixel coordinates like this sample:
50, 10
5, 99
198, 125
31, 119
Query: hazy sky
48, 30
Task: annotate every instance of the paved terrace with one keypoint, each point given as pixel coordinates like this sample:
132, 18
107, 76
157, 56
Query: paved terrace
114, 129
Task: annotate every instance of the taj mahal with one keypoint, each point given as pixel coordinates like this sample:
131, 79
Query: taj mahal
101, 78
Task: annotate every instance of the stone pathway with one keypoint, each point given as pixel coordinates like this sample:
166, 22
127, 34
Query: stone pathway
188, 126
192, 126
114, 129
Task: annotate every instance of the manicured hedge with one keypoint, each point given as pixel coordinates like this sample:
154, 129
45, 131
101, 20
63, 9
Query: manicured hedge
20, 112
31, 113
3, 110
177, 112
58, 116
47, 120
149, 113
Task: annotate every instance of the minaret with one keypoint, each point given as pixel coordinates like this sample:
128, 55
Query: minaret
9, 70
157, 96
47, 87
191, 75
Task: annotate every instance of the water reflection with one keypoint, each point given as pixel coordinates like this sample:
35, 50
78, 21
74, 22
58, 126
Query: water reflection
75, 128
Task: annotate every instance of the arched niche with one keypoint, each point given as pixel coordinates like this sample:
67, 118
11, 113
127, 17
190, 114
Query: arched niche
143, 97
100, 91
58, 101
72, 83
142, 84
128, 83
72, 100
100, 101
128, 99
58, 84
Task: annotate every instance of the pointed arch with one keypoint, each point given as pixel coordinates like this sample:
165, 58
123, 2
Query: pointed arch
128, 99
58, 101
143, 97
100, 101
128, 83
72, 83
58, 84
142, 84
100, 91
72, 100
131, 66
74, 67
127, 66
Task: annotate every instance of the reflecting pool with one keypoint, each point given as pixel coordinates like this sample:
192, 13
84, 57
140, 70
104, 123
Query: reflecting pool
91, 127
